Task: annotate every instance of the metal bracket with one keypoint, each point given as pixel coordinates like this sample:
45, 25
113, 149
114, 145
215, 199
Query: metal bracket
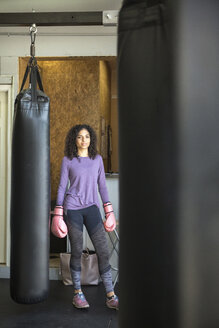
52, 18
110, 17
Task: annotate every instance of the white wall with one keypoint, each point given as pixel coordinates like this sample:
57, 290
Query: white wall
57, 5
60, 41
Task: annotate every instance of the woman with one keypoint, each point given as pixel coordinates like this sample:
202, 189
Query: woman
83, 167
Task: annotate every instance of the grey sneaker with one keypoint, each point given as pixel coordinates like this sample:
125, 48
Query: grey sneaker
113, 302
79, 301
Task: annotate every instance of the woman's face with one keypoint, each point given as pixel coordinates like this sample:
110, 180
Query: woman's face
83, 139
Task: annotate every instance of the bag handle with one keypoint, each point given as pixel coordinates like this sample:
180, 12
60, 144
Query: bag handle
86, 252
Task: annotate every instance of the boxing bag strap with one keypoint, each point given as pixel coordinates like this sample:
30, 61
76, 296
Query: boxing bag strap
33, 82
26, 74
31, 65
39, 79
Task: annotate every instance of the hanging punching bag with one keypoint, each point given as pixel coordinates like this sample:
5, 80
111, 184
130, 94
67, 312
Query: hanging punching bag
30, 192
168, 73
148, 163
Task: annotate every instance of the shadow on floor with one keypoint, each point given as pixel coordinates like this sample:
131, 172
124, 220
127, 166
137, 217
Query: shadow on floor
57, 311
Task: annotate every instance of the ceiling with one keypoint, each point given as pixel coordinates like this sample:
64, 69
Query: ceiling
58, 5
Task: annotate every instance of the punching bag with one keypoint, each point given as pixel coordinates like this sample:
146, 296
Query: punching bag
30, 192
148, 168
168, 91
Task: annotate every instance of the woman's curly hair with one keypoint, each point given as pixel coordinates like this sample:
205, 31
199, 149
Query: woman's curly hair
71, 149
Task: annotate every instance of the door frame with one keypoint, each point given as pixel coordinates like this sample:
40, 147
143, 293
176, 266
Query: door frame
7, 85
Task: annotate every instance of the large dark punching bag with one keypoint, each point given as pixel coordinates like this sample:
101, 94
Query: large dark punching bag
148, 168
30, 194
168, 88
196, 85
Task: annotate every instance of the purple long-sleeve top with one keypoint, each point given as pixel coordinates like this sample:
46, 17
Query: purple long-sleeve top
86, 177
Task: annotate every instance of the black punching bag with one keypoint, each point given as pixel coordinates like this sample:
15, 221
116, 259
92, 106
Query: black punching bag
30, 194
148, 168
168, 83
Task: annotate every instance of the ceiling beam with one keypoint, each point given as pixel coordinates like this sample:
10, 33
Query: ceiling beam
52, 19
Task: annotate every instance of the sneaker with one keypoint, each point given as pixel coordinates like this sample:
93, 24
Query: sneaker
113, 302
79, 301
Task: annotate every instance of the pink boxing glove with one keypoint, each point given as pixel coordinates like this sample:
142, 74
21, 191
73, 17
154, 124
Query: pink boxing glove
110, 223
59, 227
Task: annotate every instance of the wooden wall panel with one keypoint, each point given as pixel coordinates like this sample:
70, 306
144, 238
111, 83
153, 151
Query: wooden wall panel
105, 92
74, 90
114, 121
115, 135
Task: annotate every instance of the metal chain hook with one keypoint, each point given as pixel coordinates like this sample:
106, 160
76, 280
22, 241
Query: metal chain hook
33, 30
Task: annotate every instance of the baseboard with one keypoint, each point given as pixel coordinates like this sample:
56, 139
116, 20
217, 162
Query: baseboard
54, 273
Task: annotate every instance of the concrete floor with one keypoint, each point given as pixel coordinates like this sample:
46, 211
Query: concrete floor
57, 311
